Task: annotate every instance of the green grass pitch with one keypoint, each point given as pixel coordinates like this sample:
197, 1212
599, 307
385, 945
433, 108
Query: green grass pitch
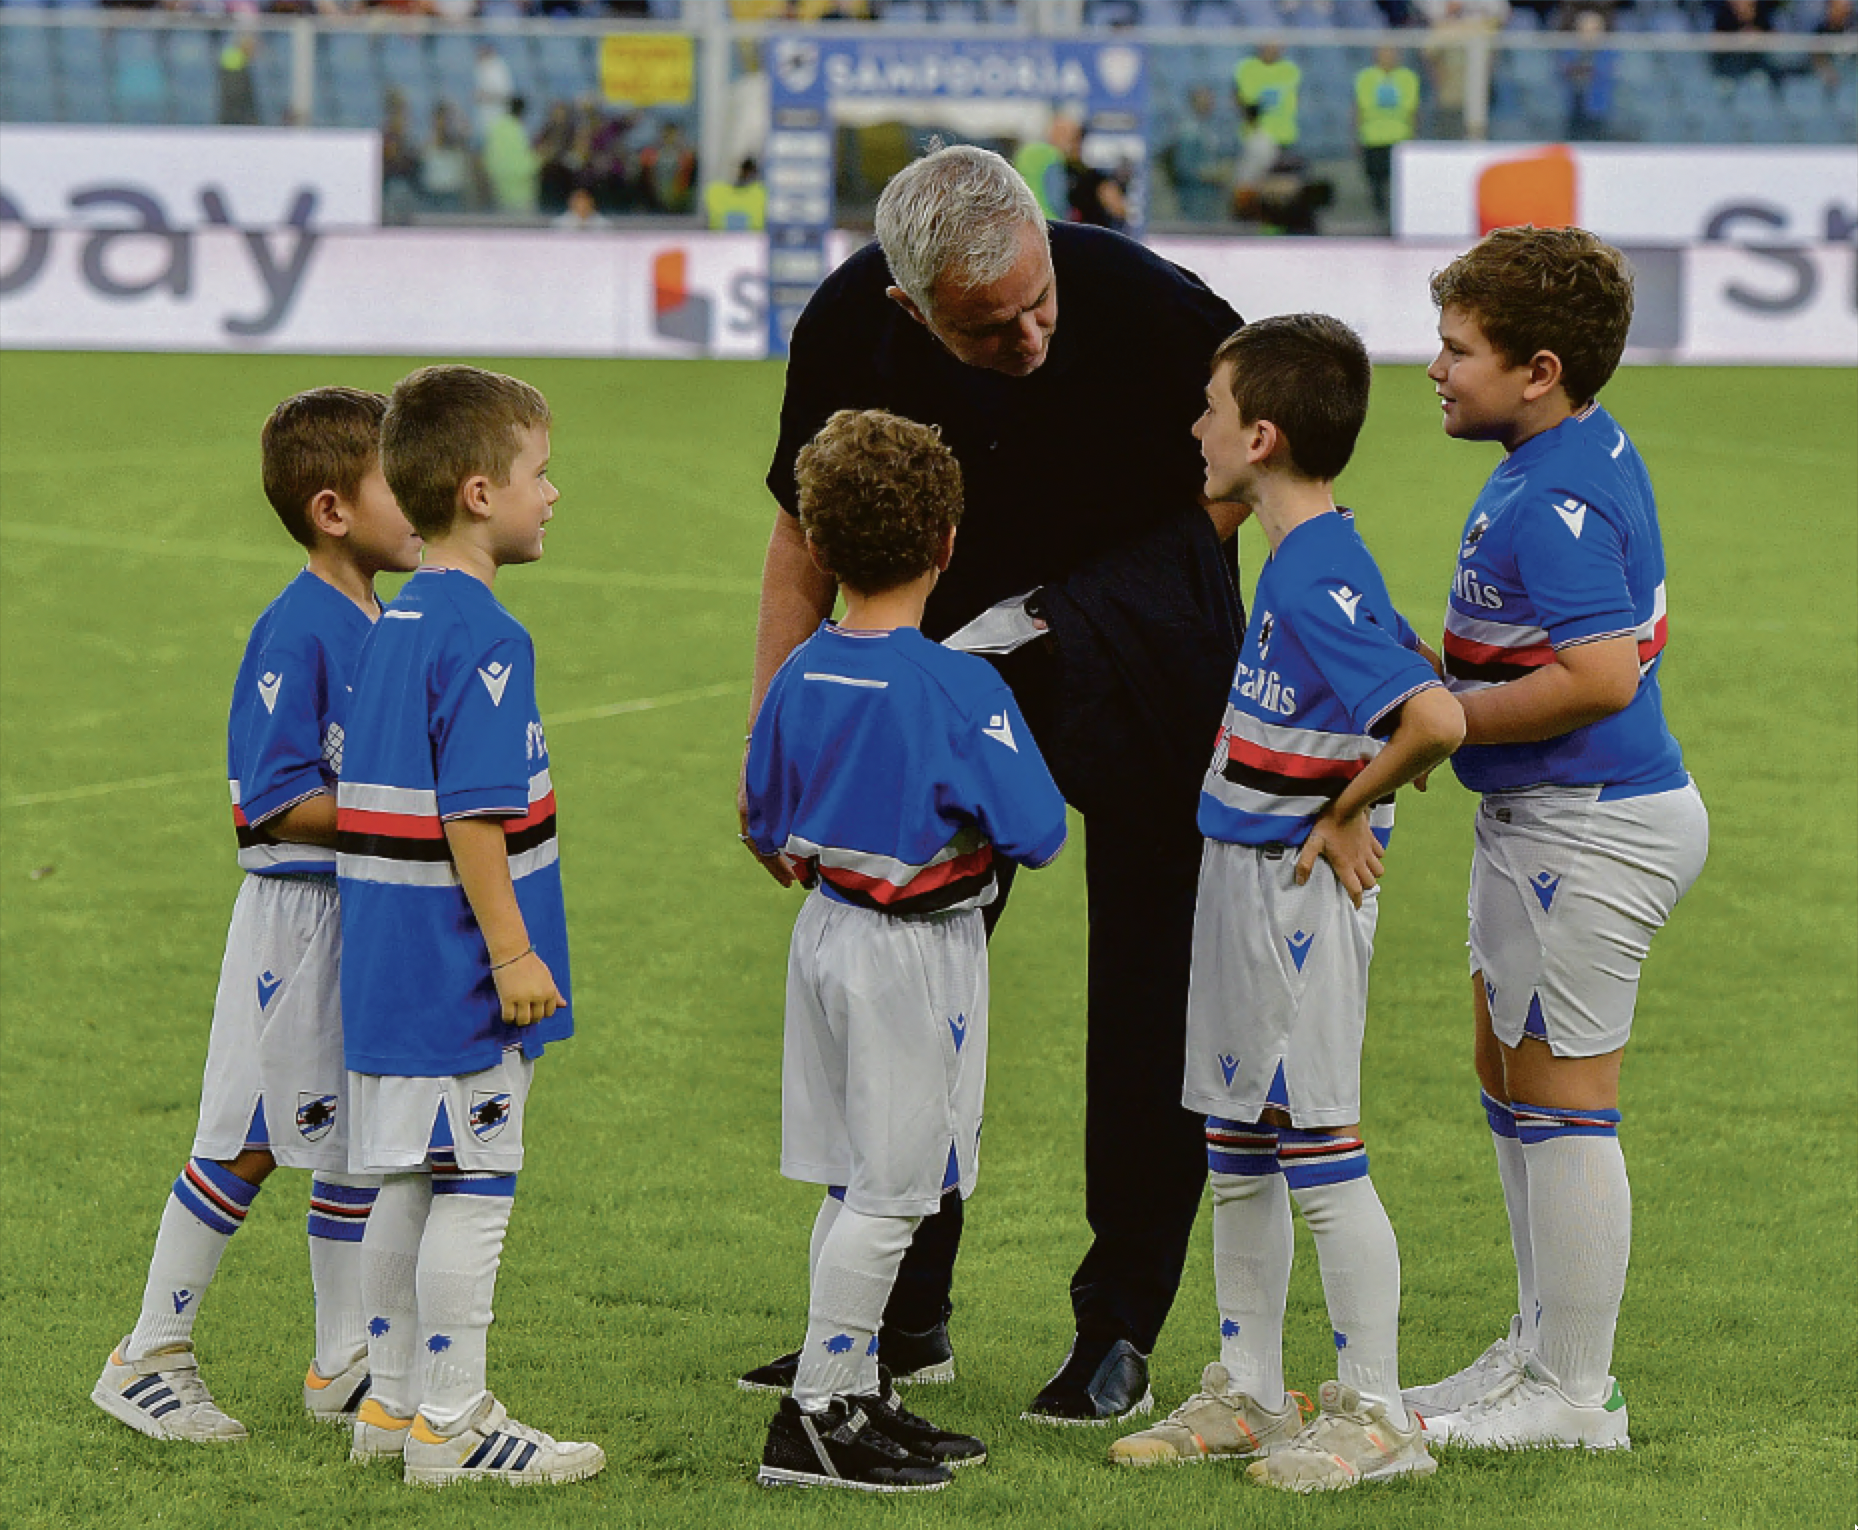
655, 1252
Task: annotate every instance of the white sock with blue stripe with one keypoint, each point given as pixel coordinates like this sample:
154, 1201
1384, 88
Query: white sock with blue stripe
1359, 1259
206, 1206
458, 1259
338, 1219
1253, 1244
390, 1290
852, 1276
1513, 1171
1580, 1218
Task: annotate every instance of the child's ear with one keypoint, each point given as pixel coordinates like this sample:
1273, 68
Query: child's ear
474, 495
327, 514
818, 557
946, 555
1544, 375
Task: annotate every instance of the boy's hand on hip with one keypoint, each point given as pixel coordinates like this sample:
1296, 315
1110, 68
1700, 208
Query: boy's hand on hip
527, 989
1350, 848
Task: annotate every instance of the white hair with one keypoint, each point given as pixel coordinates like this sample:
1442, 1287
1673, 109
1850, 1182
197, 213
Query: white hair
956, 213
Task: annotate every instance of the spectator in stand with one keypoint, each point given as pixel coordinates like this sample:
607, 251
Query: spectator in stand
510, 163
1840, 18
445, 163
740, 206
399, 162
493, 88
668, 170
1386, 113
1744, 18
1454, 24
1201, 159
1040, 164
610, 171
1091, 195
238, 98
556, 175
1588, 70
1268, 82
581, 213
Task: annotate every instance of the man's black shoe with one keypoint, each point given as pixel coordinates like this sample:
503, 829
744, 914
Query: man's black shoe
915, 1433
1102, 1381
911, 1357
841, 1447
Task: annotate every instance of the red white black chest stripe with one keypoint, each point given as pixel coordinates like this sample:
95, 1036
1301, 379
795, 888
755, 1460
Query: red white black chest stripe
1480, 652
1275, 771
395, 834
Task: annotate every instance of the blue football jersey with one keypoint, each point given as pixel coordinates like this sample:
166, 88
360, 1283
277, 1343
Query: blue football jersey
895, 770
1562, 547
284, 739
443, 725
1326, 658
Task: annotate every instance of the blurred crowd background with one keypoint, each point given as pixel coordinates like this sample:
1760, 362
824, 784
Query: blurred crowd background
1265, 115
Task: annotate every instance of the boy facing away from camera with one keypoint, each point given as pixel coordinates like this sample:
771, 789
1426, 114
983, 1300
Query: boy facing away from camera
1334, 706
455, 972
1590, 829
274, 1090
893, 773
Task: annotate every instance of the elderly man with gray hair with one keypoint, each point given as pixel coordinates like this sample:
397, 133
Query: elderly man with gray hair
1092, 574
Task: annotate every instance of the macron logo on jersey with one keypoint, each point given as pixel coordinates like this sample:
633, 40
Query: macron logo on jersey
1000, 729
268, 685
495, 677
1573, 515
1347, 599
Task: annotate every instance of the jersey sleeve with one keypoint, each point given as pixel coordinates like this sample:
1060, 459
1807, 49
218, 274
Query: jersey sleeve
1353, 636
1571, 558
280, 715
1001, 780
768, 811
481, 727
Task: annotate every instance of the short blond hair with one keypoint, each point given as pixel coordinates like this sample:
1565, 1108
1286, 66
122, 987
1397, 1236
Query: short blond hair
878, 496
447, 424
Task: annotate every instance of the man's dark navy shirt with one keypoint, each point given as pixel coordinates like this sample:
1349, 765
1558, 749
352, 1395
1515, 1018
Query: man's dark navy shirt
1083, 478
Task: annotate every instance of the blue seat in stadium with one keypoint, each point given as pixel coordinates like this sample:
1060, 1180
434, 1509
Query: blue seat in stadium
565, 66
140, 77
193, 77
271, 79
28, 53
401, 59
83, 76
27, 97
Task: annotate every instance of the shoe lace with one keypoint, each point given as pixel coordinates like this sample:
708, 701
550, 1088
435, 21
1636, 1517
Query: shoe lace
1508, 1392
185, 1383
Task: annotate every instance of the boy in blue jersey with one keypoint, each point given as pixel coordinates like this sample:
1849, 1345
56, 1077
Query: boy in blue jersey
892, 773
274, 1090
1590, 829
455, 973
1334, 706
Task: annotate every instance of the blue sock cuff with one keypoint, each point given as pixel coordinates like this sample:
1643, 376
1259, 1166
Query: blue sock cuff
340, 1212
460, 1182
1501, 1117
1549, 1123
215, 1195
1310, 1159
1240, 1147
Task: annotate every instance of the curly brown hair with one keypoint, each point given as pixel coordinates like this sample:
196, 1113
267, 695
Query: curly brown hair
327, 438
878, 494
446, 424
1546, 289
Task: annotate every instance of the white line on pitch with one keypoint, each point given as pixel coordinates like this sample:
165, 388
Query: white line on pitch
193, 777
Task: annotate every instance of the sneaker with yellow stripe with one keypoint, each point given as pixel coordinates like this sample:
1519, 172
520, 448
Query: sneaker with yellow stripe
1350, 1441
1214, 1424
378, 1436
162, 1396
334, 1399
492, 1446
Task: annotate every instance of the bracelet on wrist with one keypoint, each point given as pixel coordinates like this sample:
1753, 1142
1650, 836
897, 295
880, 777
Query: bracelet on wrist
499, 966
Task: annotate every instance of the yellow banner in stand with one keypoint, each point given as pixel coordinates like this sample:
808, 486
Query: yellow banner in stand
647, 68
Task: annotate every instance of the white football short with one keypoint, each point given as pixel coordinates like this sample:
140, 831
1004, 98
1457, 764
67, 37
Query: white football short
397, 1119
884, 1065
1566, 894
1278, 998
277, 1028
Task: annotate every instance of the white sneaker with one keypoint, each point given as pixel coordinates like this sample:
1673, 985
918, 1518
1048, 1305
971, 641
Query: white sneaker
1214, 1423
1529, 1411
1349, 1442
162, 1396
1478, 1379
378, 1435
334, 1399
493, 1446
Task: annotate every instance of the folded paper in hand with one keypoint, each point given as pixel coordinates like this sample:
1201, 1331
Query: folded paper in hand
999, 629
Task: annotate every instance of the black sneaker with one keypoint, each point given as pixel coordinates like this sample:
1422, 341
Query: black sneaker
1101, 1382
917, 1357
911, 1357
841, 1447
915, 1433
775, 1376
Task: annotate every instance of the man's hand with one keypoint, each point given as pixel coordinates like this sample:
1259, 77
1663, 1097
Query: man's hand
776, 866
1350, 848
527, 989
